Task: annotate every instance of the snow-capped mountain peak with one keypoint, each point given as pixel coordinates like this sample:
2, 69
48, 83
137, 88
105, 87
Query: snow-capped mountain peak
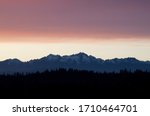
80, 61
53, 57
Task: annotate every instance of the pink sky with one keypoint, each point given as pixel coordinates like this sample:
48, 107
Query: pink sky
104, 28
100, 19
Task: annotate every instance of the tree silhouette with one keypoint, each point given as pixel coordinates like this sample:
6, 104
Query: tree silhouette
72, 83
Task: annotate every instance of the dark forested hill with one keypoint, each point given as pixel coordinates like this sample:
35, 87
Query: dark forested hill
75, 84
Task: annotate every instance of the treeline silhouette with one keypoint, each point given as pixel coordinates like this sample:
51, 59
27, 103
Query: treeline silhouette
68, 84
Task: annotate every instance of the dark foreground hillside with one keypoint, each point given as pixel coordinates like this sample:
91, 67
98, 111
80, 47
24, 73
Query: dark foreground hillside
76, 84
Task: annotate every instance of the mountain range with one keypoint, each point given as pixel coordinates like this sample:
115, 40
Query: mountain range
80, 61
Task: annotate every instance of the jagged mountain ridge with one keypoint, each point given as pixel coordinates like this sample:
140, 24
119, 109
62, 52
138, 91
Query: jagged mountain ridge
80, 61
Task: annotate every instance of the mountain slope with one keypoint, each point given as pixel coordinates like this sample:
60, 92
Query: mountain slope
80, 61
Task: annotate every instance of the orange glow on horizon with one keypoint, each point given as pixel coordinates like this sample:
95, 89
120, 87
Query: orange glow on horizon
34, 37
104, 49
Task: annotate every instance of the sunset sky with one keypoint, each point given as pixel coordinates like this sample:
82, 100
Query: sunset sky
107, 29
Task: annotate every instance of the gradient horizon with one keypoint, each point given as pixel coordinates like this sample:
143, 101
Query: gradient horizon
106, 29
